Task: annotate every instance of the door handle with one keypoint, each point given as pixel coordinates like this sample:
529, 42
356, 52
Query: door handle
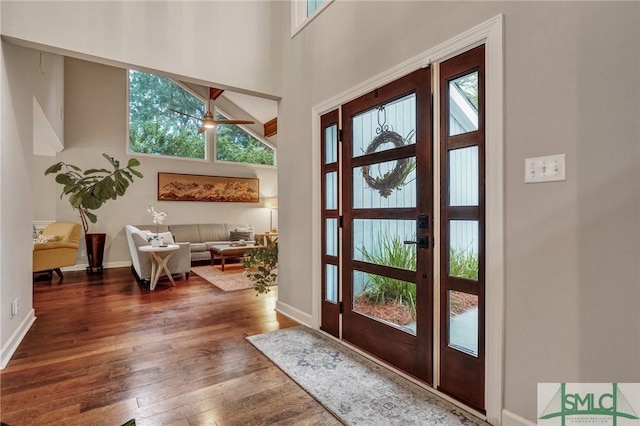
423, 242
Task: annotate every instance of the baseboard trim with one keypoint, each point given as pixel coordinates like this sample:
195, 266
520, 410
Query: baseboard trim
83, 266
512, 419
293, 313
9, 348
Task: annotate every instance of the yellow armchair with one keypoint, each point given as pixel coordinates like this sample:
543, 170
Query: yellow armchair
51, 256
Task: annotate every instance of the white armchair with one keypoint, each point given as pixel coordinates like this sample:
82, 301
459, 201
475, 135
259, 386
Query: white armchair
180, 262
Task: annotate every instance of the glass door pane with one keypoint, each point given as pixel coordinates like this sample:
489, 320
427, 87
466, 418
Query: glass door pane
385, 299
463, 104
463, 322
397, 117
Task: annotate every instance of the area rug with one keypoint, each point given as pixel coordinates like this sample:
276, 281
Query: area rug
232, 279
356, 390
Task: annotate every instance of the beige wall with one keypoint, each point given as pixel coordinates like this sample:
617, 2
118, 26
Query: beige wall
183, 38
16, 148
572, 248
571, 86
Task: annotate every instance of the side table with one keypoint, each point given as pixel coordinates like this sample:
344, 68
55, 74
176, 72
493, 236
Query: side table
159, 258
263, 238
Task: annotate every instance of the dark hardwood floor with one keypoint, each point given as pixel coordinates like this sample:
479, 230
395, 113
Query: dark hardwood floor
104, 350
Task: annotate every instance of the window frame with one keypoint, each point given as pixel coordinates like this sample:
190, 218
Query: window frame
207, 150
260, 139
299, 18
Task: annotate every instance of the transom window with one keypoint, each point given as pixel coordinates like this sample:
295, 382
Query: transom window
304, 11
163, 118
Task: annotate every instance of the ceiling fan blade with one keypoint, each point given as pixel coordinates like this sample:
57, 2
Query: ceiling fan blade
234, 122
201, 130
185, 114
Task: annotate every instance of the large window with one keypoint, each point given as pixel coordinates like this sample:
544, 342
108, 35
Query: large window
163, 118
236, 145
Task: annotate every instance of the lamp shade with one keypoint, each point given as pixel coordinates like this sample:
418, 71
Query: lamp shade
271, 203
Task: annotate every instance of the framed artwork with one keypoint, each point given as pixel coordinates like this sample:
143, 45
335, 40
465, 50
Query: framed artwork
184, 187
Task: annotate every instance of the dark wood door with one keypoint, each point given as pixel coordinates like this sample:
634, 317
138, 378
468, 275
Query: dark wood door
387, 261
330, 210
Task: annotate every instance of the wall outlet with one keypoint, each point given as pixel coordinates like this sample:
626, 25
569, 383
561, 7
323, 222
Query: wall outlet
83, 253
15, 307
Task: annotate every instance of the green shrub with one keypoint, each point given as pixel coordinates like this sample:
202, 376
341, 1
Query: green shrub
463, 264
391, 252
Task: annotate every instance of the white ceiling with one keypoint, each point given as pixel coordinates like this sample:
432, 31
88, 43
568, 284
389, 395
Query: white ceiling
260, 108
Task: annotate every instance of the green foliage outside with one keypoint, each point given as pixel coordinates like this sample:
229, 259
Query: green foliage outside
393, 252
463, 264
236, 145
153, 127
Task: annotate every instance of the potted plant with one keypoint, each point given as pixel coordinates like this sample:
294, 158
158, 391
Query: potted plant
88, 190
262, 266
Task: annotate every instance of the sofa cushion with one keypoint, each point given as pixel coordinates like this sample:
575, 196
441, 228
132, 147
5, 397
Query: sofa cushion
213, 232
198, 246
186, 233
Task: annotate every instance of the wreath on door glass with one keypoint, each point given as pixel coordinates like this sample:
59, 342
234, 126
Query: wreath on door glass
393, 179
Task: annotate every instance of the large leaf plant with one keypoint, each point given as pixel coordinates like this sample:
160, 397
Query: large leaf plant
88, 190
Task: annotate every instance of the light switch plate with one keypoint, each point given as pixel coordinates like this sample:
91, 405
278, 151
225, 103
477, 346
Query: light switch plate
545, 169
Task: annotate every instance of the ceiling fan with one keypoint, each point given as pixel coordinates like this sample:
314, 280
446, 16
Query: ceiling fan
208, 120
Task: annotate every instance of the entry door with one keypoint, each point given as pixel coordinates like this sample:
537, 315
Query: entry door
387, 261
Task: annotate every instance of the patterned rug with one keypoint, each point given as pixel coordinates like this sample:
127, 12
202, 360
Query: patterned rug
354, 389
232, 279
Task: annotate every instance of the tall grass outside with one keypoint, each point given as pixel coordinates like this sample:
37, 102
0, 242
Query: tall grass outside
392, 251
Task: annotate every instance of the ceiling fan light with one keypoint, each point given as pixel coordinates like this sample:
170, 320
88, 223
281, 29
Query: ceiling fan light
208, 121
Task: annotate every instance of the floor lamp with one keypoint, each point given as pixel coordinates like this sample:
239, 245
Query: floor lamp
271, 204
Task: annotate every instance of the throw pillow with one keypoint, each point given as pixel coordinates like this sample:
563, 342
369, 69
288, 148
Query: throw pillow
46, 239
239, 235
167, 238
247, 229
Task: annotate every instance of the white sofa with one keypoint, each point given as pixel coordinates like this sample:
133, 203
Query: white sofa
202, 236
179, 264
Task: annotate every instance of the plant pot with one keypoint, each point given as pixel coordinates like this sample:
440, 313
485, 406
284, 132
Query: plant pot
95, 251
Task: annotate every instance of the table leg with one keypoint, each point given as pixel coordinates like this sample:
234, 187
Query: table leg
158, 264
154, 272
222, 262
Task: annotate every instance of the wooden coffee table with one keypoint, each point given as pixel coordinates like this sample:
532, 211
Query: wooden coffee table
223, 251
